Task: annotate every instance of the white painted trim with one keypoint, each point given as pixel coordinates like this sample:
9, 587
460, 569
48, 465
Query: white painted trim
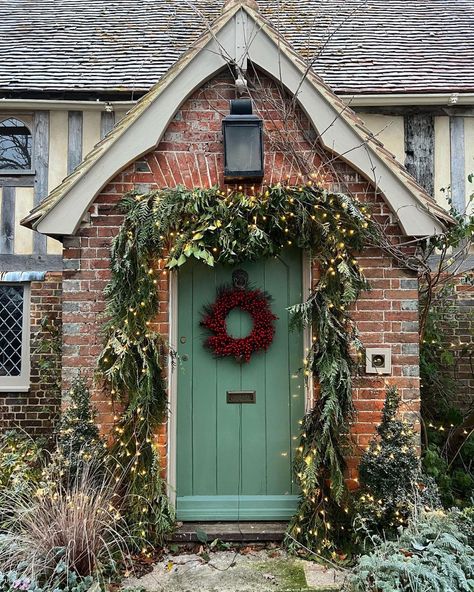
172, 388
148, 121
382, 100
354, 100
134, 141
65, 105
21, 384
341, 139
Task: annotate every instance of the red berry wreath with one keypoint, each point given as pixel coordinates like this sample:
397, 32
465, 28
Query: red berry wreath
256, 303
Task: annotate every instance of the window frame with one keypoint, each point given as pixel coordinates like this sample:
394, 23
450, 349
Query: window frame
27, 120
21, 383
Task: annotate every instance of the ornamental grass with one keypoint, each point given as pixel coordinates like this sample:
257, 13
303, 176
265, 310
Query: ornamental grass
75, 523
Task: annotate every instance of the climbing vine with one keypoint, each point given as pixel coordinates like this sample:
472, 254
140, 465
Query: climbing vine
161, 231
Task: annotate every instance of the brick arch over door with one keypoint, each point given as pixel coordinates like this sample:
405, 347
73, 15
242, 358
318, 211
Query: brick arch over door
190, 154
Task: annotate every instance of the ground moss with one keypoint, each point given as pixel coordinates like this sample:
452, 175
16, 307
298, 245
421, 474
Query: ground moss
289, 574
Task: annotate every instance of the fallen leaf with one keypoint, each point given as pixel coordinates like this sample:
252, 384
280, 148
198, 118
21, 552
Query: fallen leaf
246, 550
201, 536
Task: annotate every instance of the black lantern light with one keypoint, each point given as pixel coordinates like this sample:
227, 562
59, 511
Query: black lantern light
243, 143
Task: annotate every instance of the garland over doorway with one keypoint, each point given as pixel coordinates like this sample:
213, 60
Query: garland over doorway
211, 225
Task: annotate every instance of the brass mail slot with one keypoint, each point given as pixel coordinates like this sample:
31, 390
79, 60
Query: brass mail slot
241, 397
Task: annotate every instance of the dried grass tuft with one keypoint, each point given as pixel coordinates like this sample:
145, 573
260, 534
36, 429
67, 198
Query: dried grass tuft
79, 524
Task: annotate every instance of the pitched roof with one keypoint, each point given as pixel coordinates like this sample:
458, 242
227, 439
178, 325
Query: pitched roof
141, 129
364, 46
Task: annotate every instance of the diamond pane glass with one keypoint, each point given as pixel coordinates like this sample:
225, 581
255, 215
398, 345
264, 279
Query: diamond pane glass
11, 330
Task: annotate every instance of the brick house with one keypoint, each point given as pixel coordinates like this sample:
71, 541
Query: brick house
171, 137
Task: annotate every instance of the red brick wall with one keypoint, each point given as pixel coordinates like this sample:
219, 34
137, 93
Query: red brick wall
36, 410
190, 153
456, 314
463, 334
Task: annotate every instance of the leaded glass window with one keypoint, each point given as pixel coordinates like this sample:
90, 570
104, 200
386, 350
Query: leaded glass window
11, 330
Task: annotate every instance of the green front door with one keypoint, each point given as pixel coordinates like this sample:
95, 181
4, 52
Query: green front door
234, 461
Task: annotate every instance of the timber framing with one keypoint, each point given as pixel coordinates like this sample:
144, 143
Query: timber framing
36, 262
7, 221
19, 181
433, 110
41, 166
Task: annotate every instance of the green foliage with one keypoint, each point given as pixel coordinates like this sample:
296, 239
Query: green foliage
433, 553
54, 526
62, 580
47, 347
165, 228
452, 467
138, 371
78, 436
438, 358
389, 472
20, 460
455, 479
448, 438
161, 231
63, 514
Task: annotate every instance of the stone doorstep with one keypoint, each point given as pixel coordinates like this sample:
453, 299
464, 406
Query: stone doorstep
245, 532
227, 572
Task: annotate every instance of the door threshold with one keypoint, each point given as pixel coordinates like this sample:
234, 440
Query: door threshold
235, 532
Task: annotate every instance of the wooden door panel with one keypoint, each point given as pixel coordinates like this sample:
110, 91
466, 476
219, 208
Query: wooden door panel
235, 460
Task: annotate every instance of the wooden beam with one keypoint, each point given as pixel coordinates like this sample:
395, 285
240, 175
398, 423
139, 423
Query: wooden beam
433, 110
10, 262
458, 163
461, 266
419, 149
7, 221
74, 150
20, 181
107, 122
41, 164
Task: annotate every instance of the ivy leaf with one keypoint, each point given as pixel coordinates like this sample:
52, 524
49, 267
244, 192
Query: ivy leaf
172, 263
199, 253
208, 258
182, 259
201, 536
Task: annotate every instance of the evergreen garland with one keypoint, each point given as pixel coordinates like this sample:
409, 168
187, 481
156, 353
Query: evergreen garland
173, 225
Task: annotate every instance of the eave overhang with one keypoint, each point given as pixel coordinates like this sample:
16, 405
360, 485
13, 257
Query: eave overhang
240, 34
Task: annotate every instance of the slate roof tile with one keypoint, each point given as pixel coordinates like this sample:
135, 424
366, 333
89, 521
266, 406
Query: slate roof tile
361, 46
